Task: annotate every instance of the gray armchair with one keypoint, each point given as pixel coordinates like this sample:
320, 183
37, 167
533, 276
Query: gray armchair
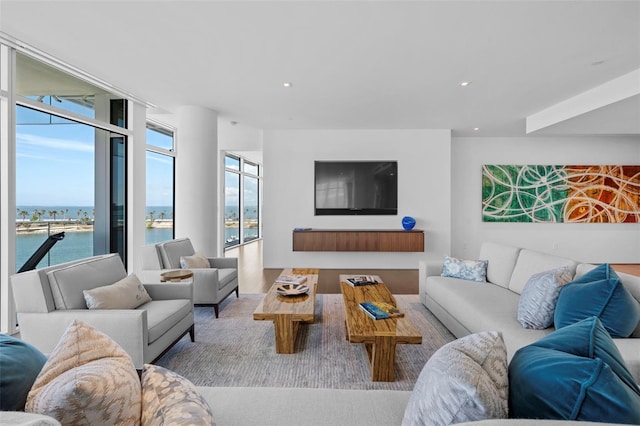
49, 299
210, 285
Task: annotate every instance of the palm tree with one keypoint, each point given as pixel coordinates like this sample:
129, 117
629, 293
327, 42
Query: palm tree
151, 213
24, 214
53, 213
162, 215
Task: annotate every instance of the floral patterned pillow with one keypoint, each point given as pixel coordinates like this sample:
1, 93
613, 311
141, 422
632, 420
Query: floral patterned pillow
168, 398
472, 270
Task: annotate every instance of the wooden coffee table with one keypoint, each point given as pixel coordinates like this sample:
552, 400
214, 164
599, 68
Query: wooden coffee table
287, 312
380, 337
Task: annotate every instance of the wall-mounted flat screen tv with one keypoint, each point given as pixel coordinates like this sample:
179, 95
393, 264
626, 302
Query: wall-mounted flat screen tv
356, 187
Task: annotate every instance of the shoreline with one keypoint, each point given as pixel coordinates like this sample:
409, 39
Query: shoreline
56, 227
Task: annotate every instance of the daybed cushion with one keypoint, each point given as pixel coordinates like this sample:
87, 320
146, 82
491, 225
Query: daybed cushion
532, 262
575, 373
598, 293
501, 261
88, 379
537, 302
128, 293
67, 283
465, 380
170, 399
20, 363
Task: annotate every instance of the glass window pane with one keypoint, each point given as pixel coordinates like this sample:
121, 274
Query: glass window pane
231, 209
251, 168
250, 220
231, 162
160, 191
43, 83
54, 189
159, 137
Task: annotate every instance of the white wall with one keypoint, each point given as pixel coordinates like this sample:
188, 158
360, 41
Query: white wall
424, 188
613, 243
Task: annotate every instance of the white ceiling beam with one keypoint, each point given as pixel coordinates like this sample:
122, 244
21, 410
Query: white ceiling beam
608, 93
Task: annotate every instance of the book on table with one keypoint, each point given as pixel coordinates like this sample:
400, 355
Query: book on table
361, 280
380, 310
291, 279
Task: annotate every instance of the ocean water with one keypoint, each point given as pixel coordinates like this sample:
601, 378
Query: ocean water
76, 245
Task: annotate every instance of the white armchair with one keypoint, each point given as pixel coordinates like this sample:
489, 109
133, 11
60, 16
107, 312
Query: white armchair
210, 285
49, 299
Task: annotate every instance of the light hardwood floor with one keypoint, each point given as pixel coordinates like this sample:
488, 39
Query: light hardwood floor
254, 278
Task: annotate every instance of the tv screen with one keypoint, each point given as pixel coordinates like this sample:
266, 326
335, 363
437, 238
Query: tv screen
356, 187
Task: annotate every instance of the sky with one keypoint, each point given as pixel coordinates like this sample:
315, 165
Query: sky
55, 163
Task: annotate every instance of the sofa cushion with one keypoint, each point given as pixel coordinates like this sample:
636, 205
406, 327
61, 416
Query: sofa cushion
598, 293
170, 399
67, 283
502, 260
198, 260
472, 270
128, 293
20, 363
532, 262
538, 299
575, 373
88, 379
226, 275
170, 252
164, 314
465, 380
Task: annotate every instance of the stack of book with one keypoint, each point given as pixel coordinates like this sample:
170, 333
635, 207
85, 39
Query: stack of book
361, 280
380, 310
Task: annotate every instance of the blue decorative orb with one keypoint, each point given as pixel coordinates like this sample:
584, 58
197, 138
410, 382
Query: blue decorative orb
408, 223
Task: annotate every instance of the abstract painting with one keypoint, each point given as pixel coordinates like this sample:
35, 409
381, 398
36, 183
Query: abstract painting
575, 194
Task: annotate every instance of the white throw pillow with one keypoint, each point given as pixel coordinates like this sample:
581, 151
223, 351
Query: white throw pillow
128, 293
88, 379
537, 302
197, 261
465, 380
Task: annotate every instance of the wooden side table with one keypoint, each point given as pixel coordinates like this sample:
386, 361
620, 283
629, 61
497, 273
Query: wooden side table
176, 276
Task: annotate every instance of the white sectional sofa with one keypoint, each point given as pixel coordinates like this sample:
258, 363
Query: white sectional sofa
467, 307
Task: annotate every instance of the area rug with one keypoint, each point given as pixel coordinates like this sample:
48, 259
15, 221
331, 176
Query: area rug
235, 350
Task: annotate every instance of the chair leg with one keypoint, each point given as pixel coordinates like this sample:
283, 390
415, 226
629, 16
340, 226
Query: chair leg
192, 333
237, 292
215, 309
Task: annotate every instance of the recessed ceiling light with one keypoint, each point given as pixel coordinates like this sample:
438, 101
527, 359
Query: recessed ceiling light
465, 83
287, 84
476, 128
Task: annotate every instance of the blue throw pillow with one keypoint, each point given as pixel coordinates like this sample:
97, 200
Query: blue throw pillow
575, 373
598, 293
471, 270
20, 364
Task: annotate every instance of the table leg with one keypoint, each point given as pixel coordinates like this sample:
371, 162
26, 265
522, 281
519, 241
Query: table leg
383, 357
285, 330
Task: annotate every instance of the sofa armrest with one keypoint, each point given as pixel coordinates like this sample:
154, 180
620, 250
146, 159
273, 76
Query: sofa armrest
127, 327
170, 290
427, 268
224, 262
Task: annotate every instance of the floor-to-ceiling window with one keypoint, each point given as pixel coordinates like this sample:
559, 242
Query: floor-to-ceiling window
70, 165
242, 200
160, 183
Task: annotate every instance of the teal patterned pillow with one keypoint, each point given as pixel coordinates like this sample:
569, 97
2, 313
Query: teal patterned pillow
170, 399
537, 302
472, 270
465, 380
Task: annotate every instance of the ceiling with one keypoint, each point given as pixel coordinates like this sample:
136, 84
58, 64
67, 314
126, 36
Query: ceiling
352, 64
